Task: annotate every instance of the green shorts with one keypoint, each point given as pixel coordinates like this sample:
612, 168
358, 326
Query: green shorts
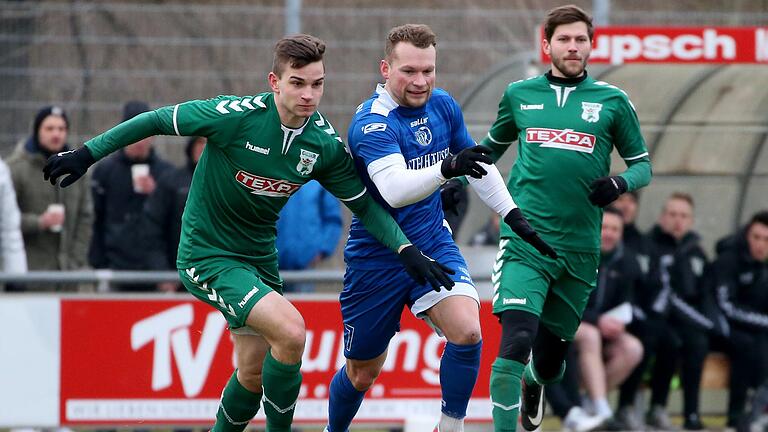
556, 291
231, 286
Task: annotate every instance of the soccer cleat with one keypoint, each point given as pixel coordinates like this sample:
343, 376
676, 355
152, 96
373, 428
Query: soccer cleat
658, 419
532, 406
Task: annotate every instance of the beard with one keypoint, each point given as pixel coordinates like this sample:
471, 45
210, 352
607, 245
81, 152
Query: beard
570, 72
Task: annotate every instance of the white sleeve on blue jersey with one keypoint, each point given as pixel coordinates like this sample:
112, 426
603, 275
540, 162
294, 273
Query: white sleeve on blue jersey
400, 186
492, 190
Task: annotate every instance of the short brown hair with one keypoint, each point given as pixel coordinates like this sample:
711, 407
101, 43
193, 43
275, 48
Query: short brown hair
297, 51
419, 35
682, 196
566, 15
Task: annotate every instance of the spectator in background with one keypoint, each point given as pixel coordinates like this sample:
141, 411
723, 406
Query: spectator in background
55, 223
627, 205
11, 242
741, 283
607, 352
677, 326
121, 185
489, 233
307, 232
163, 210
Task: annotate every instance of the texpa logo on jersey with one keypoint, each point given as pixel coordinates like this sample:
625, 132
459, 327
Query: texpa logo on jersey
266, 186
566, 139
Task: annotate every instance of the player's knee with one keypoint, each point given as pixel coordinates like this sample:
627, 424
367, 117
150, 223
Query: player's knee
518, 331
291, 341
250, 378
466, 336
362, 378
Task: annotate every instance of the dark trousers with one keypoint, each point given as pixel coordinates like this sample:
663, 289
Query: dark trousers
564, 395
748, 353
676, 343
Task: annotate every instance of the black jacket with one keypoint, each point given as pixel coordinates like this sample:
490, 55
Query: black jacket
162, 217
619, 278
741, 286
675, 279
117, 241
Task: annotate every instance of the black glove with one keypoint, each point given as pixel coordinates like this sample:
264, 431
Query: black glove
73, 162
466, 162
424, 269
451, 196
522, 228
605, 190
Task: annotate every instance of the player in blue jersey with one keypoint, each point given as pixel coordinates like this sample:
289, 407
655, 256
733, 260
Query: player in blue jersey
407, 140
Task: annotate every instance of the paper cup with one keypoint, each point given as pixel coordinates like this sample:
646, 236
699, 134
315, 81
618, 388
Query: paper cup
138, 171
58, 209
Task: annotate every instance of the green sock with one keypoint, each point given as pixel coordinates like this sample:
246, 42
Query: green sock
237, 407
505, 393
281, 390
532, 377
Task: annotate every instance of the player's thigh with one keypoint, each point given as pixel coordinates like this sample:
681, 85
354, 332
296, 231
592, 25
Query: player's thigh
454, 313
372, 302
519, 285
565, 305
230, 286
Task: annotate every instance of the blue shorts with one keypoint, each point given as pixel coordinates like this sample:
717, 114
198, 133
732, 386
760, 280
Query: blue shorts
372, 301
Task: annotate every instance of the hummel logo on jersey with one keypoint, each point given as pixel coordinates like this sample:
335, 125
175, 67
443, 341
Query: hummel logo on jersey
238, 105
247, 297
374, 127
266, 186
525, 107
257, 149
520, 301
590, 111
566, 139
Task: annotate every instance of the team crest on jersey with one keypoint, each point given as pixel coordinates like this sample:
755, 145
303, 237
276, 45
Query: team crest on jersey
306, 162
423, 136
590, 111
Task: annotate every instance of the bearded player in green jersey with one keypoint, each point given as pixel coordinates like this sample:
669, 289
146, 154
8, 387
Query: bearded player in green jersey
260, 150
566, 125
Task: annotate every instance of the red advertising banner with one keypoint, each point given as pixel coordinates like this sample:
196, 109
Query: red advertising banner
618, 45
166, 361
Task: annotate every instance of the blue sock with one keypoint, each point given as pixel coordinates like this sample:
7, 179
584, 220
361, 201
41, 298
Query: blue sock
343, 403
458, 374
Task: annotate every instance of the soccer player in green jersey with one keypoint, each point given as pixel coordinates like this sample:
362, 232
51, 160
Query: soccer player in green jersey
260, 150
566, 124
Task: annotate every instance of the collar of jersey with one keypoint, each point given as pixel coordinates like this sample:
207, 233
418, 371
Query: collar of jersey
565, 81
384, 104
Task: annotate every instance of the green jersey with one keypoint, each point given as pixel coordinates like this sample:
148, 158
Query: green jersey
566, 130
251, 165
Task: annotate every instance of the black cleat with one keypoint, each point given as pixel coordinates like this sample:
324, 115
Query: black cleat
532, 406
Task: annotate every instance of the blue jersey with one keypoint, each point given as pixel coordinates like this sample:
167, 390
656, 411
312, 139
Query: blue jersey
424, 136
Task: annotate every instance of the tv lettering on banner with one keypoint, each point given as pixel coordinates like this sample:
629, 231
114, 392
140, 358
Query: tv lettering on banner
133, 362
619, 45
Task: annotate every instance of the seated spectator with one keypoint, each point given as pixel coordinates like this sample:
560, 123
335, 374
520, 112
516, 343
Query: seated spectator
607, 352
308, 231
677, 324
121, 185
741, 282
163, 210
55, 223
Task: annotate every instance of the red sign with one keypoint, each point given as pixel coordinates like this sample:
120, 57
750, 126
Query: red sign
617, 45
166, 362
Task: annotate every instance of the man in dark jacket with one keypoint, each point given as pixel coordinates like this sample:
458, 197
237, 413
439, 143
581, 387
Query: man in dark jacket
163, 210
121, 185
741, 284
677, 326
